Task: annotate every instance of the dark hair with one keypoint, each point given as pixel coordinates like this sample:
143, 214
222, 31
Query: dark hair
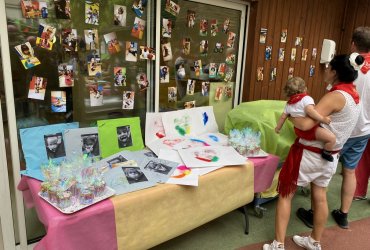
361, 39
345, 71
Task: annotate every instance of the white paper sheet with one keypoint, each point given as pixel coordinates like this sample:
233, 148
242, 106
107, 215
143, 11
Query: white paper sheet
153, 127
211, 156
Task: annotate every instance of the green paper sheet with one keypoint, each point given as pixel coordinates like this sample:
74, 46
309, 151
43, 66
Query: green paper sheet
263, 116
120, 134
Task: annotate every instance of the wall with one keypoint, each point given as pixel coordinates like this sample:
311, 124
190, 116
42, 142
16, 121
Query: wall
313, 21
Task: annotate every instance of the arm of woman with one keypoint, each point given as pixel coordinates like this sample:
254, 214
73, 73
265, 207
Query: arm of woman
328, 104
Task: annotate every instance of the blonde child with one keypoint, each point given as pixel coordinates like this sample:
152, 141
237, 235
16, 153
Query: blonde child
300, 104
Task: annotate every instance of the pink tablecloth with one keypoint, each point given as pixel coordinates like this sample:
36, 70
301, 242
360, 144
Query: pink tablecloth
94, 227
91, 228
264, 170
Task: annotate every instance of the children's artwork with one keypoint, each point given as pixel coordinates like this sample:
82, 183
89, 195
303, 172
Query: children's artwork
190, 17
91, 39
298, 41
219, 48
205, 88
221, 70
215, 139
96, 95
283, 35
128, 100
166, 27
68, 39
212, 70
228, 91
157, 169
119, 76
230, 39
120, 134
218, 93
62, 9
304, 54
142, 81
290, 72
230, 59
268, 51
30, 9
94, 65
26, 55
226, 26
312, 70
198, 68
172, 7
65, 73
259, 74
153, 127
42, 145
207, 120
203, 47
211, 156
263, 35
138, 7
119, 15
127, 179
186, 46
273, 74
147, 53
281, 54
172, 94
189, 105
293, 54
314, 53
37, 88
203, 27
58, 101
171, 143
166, 51
44, 43
112, 43
214, 27
190, 87
131, 51
138, 28
91, 13
81, 141
164, 76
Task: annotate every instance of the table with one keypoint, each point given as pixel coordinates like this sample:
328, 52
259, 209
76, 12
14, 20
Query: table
95, 227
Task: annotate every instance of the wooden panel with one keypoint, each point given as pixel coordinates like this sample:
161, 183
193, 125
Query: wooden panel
313, 21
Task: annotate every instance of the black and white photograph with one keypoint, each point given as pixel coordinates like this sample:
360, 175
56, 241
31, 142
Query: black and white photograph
124, 136
150, 154
90, 144
115, 160
134, 175
157, 167
54, 145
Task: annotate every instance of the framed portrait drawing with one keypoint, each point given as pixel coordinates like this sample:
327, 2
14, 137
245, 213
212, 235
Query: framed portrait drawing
43, 144
120, 134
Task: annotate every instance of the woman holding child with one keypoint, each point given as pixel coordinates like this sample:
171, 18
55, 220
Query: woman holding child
304, 164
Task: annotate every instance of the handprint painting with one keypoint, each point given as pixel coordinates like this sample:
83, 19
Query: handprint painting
207, 155
182, 125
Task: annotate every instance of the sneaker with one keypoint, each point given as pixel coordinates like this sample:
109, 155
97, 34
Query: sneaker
306, 216
274, 246
359, 198
306, 242
340, 218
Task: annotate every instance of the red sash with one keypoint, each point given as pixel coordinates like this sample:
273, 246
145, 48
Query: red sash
350, 88
296, 98
366, 67
289, 173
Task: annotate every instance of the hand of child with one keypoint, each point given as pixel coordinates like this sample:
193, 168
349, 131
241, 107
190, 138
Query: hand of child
326, 120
